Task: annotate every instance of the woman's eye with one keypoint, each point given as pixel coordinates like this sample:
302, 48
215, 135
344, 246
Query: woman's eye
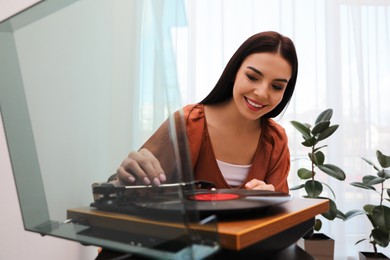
277, 87
250, 77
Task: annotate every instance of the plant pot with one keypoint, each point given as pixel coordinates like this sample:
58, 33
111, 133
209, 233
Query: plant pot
372, 256
318, 245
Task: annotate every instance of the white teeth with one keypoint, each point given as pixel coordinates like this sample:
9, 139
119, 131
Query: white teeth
254, 104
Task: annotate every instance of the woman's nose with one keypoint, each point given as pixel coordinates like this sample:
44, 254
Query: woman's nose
261, 89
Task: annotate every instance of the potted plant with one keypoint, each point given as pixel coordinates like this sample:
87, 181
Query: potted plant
379, 214
312, 136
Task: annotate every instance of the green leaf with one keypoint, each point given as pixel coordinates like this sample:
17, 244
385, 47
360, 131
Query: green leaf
383, 160
305, 174
341, 215
320, 127
361, 240
332, 212
380, 237
368, 178
386, 174
371, 163
304, 130
316, 158
313, 188
369, 208
319, 158
318, 148
381, 218
297, 187
375, 180
333, 171
353, 213
362, 185
309, 142
327, 132
317, 224
326, 115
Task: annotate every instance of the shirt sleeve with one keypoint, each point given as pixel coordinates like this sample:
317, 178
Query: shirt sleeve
279, 165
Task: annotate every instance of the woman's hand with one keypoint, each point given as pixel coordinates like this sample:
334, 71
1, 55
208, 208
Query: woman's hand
140, 167
256, 184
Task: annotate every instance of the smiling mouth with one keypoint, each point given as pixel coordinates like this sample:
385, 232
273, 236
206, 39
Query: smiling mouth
253, 105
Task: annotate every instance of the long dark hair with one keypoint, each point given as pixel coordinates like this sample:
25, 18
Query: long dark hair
272, 42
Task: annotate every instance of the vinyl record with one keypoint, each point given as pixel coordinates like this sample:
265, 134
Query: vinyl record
219, 201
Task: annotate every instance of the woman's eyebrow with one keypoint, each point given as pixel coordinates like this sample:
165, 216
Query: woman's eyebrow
261, 74
255, 70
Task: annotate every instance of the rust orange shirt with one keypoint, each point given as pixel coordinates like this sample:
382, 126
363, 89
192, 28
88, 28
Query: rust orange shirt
271, 162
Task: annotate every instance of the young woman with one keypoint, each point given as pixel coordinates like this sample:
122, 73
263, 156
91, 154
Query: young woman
232, 139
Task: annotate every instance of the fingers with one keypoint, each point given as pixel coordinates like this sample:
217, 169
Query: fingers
141, 167
259, 185
152, 167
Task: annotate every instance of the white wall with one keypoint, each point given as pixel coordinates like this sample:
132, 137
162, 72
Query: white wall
16, 243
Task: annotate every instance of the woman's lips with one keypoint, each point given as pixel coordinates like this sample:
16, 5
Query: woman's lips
253, 105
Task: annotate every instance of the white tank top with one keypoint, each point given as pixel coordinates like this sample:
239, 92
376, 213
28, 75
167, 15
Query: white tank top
234, 174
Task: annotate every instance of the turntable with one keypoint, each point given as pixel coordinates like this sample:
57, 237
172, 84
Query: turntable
169, 200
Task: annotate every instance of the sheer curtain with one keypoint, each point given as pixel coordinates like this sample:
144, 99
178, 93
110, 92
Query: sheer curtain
344, 57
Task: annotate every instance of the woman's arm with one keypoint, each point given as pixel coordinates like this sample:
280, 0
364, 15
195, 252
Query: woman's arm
151, 164
159, 159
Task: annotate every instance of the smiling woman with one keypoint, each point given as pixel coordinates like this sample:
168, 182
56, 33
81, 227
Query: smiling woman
255, 86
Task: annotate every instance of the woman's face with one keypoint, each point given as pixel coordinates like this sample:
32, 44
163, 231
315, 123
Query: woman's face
260, 84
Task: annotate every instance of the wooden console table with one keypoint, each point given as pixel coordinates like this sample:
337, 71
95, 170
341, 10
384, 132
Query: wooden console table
234, 235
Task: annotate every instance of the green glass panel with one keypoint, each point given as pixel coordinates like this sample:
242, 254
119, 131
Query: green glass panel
83, 83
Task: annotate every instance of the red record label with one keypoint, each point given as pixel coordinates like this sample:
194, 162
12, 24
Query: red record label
214, 196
